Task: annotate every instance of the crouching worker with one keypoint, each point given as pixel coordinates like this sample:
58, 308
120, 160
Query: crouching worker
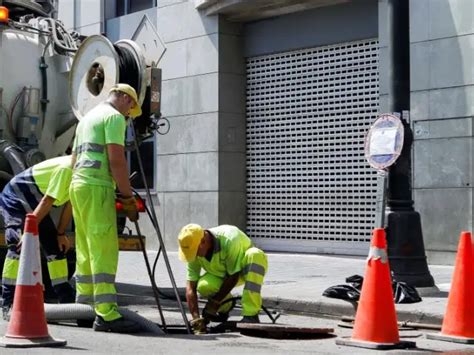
36, 190
229, 259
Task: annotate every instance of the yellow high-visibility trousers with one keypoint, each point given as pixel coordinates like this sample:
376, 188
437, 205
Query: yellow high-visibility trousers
96, 248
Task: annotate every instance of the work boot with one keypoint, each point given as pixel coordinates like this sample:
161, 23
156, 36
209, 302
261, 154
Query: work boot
6, 312
250, 319
119, 325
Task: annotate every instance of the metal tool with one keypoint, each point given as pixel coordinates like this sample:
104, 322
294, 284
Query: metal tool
160, 239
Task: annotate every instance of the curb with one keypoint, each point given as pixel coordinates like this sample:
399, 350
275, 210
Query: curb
323, 307
333, 308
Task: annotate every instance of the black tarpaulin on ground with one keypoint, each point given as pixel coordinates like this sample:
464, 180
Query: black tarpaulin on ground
402, 293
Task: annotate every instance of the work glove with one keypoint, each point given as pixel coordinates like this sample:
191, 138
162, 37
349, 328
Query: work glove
199, 326
210, 310
130, 208
63, 243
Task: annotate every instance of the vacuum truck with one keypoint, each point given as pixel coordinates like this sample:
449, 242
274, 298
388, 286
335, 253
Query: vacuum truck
50, 77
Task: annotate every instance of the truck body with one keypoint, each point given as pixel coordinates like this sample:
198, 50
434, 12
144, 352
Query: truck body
49, 78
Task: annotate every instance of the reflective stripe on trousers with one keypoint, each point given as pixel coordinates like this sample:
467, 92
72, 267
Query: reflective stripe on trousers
57, 264
96, 247
256, 266
57, 271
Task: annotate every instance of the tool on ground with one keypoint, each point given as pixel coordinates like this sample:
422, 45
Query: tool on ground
27, 326
458, 322
375, 324
162, 249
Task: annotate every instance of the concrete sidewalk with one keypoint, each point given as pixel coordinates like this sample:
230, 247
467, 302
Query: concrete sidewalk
295, 283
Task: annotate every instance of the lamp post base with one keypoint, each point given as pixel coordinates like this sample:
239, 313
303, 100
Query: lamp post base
406, 250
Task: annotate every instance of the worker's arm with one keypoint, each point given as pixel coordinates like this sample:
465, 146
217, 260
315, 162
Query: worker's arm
43, 208
66, 216
73, 160
118, 167
227, 285
192, 299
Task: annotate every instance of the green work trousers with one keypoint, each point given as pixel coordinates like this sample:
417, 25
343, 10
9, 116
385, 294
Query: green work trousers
96, 248
254, 268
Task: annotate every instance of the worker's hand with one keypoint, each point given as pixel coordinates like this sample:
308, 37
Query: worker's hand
130, 208
199, 326
210, 310
63, 243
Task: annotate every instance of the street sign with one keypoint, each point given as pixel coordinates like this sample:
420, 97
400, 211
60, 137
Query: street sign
383, 146
384, 141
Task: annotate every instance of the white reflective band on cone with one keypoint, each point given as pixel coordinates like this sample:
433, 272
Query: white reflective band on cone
378, 253
29, 273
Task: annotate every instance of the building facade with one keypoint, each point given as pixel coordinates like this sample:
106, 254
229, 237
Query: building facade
269, 104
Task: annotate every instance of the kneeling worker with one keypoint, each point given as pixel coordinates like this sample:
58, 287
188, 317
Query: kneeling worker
229, 259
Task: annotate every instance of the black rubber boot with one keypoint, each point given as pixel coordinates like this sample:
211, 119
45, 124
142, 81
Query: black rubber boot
120, 325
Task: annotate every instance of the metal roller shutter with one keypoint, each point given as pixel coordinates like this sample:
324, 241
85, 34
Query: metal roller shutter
309, 188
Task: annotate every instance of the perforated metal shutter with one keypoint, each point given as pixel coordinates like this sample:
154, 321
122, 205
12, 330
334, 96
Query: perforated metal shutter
309, 188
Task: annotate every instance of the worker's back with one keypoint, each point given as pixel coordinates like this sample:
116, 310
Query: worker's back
101, 126
51, 177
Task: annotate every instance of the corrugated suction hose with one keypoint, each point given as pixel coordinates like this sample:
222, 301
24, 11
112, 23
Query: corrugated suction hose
74, 311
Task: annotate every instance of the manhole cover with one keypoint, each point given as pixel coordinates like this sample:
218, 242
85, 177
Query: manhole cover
281, 331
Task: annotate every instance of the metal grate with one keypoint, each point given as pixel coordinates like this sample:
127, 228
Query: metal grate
309, 187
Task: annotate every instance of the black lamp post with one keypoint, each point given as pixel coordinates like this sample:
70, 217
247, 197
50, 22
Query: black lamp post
406, 249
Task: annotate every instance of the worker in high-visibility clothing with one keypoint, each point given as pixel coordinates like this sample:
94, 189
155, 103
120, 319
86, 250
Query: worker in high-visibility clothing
229, 259
99, 167
37, 190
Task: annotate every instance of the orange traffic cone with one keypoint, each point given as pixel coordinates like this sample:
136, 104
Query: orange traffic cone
458, 322
28, 327
375, 325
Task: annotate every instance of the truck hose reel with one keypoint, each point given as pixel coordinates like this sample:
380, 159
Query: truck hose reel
98, 65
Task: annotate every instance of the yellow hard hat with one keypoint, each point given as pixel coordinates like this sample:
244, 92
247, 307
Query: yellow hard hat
136, 110
189, 239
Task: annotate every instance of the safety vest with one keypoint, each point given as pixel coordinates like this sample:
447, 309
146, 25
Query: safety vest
101, 126
51, 177
230, 245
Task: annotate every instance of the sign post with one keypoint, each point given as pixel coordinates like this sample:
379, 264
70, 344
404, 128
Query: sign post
383, 146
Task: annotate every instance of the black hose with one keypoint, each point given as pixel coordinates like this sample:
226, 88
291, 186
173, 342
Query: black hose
152, 280
158, 232
128, 68
265, 309
14, 155
44, 88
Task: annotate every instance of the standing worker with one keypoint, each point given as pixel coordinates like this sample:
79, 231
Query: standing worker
100, 166
36, 190
229, 259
